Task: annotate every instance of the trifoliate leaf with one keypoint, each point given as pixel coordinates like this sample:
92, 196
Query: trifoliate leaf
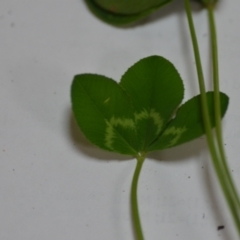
127, 117
136, 115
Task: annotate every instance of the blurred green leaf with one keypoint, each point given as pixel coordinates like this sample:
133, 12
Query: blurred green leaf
208, 2
122, 12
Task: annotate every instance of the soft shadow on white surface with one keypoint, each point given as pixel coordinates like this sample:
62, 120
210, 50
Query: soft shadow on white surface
182, 152
37, 90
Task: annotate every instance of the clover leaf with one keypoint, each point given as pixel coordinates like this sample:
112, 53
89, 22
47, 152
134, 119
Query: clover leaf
137, 115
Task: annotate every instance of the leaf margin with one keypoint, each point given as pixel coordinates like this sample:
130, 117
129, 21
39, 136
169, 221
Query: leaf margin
224, 99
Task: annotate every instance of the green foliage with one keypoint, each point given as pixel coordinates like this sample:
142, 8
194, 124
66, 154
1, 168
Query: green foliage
128, 7
188, 123
121, 12
136, 115
209, 2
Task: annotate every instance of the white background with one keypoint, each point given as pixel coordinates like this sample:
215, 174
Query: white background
53, 183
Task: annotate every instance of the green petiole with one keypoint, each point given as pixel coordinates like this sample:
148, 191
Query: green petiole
134, 200
228, 176
216, 149
217, 97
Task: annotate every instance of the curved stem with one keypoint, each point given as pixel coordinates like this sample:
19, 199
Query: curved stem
217, 152
201, 83
214, 48
134, 199
217, 99
217, 103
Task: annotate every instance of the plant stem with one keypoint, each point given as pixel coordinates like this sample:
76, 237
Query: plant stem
217, 103
217, 95
204, 104
134, 200
217, 152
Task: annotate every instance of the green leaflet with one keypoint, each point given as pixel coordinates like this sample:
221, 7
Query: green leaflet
188, 123
156, 90
135, 115
121, 12
103, 113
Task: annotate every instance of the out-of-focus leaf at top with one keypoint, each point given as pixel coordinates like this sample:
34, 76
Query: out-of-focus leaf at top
122, 12
208, 2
